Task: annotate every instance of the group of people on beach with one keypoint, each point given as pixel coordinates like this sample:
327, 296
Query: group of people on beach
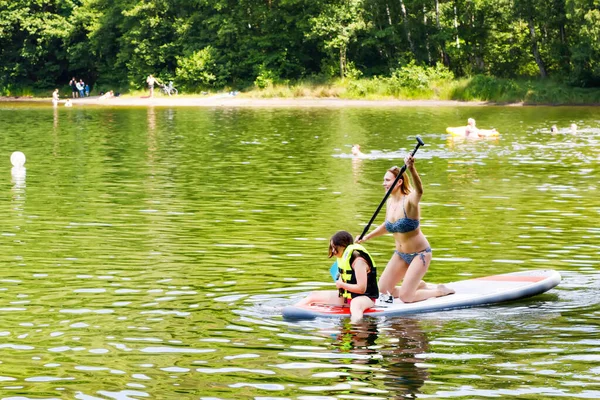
357, 284
79, 88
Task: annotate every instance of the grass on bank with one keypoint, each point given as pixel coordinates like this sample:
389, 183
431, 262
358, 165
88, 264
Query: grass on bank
409, 87
478, 88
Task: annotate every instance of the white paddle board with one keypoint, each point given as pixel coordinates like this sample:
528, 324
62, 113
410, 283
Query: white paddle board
469, 293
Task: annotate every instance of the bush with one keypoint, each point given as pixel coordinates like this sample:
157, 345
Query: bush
265, 78
352, 72
198, 69
414, 77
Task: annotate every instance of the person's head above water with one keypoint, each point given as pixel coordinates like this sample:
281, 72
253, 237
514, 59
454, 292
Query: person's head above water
356, 150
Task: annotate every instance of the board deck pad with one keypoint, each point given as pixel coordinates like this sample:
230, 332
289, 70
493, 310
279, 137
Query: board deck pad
469, 293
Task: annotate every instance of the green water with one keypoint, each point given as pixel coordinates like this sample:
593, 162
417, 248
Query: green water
146, 253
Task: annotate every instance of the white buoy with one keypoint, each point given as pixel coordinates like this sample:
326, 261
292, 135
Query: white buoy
17, 159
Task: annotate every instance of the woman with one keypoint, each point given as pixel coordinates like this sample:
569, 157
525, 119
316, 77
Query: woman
412, 256
357, 283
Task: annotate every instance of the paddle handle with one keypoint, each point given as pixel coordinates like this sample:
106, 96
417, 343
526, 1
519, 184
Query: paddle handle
412, 153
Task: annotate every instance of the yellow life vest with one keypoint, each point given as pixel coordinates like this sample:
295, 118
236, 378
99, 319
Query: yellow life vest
344, 268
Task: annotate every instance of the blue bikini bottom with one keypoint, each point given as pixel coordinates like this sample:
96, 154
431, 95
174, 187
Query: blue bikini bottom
408, 257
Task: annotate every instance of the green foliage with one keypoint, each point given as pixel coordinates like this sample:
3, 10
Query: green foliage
240, 43
337, 26
352, 71
417, 78
198, 69
373, 88
586, 50
486, 88
265, 78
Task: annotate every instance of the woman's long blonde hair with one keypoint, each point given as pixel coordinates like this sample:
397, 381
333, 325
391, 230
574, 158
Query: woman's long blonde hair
405, 187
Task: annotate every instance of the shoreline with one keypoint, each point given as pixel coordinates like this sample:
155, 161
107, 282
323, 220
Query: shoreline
226, 100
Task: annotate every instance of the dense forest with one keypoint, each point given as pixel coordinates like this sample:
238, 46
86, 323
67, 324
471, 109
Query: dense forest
231, 43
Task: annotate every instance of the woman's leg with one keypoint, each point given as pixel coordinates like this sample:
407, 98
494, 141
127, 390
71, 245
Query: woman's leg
392, 274
322, 296
412, 289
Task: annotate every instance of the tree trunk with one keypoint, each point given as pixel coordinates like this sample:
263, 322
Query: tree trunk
536, 50
456, 26
426, 35
445, 57
406, 27
342, 61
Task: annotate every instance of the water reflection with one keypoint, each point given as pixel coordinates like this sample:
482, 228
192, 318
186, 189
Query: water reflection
406, 340
376, 352
18, 175
357, 165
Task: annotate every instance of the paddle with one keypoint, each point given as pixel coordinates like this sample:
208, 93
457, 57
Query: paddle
334, 268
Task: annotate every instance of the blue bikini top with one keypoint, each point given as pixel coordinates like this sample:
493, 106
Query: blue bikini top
402, 225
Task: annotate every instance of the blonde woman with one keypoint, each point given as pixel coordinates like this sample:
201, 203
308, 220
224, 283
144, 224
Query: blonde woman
412, 255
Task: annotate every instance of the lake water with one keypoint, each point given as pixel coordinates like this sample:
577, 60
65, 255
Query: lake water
147, 252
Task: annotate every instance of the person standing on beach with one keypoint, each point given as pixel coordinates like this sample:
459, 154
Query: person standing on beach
151, 81
73, 84
81, 88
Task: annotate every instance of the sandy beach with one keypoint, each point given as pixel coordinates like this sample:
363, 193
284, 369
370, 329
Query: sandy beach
226, 100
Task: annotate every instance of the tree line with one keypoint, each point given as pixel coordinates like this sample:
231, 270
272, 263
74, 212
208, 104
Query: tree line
203, 44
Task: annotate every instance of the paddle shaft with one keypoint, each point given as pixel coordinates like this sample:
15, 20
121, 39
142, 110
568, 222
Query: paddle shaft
419, 144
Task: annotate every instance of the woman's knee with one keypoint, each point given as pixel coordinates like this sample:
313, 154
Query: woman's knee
406, 296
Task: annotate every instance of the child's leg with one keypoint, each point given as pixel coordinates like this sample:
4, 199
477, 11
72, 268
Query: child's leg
358, 306
322, 296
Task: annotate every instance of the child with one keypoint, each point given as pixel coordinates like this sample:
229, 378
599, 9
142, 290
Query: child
357, 282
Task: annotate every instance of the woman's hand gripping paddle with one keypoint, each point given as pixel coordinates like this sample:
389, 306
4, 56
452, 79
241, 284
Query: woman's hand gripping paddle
334, 268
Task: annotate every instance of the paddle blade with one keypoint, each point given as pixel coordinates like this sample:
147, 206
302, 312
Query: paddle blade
334, 271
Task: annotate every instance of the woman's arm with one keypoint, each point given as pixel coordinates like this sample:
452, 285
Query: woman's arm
380, 230
360, 268
416, 179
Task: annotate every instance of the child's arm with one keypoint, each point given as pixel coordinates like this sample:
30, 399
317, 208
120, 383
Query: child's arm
360, 268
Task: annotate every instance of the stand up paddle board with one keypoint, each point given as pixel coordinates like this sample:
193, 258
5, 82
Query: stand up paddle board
469, 293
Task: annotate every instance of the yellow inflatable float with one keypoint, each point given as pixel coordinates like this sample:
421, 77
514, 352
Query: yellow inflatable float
461, 131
